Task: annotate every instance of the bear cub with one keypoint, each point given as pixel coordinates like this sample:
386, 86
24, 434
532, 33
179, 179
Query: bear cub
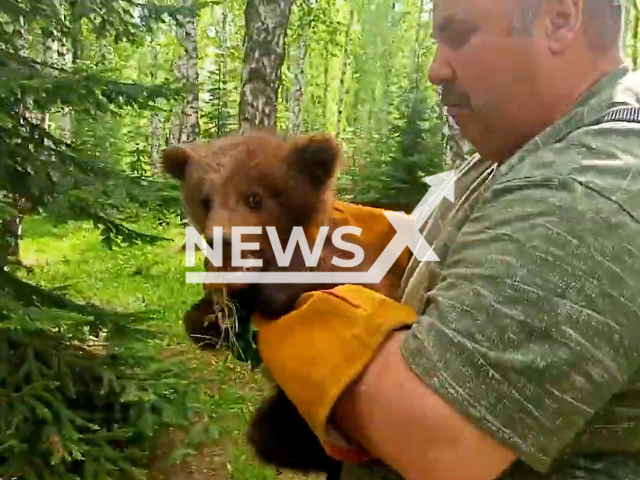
258, 179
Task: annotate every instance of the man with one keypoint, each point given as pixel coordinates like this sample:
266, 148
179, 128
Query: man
516, 355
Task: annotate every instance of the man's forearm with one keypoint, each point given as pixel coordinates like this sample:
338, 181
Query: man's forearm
390, 412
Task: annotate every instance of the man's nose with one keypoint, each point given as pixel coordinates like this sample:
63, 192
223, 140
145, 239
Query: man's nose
440, 70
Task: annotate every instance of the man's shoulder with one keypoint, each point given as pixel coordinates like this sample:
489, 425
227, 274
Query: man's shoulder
601, 132
602, 155
599, 152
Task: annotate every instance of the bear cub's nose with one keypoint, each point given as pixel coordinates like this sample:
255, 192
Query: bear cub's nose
226, 245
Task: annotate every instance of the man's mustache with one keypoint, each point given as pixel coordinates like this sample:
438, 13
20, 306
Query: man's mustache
450, 96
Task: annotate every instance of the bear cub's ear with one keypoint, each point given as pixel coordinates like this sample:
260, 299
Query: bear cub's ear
175, 160
315, 159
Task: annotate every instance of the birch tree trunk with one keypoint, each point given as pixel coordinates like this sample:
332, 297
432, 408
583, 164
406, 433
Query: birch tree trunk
70, 52
155, 128
49, 55
64, 61
186, 124
190, 42
155, 134
11, 225
223, 80
264, 52
325, 102
417, 52
177, 129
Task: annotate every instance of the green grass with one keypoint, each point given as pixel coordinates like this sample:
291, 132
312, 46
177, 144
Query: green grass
151, 279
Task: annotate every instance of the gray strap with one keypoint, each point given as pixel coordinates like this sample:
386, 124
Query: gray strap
622, 114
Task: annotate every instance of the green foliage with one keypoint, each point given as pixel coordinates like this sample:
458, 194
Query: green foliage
87, 97
394, 178
67, 178
83, 390
158, 373
220, 40
245, 342
390, 123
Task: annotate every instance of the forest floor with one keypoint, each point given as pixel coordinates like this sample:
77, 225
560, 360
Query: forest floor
151, 279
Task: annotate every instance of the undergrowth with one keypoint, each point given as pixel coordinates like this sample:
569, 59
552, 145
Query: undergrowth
148, 280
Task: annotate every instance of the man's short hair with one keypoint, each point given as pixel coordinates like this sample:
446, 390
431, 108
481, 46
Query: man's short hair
602, 21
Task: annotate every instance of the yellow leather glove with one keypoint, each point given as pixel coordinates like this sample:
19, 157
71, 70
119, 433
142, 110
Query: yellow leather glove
317, 350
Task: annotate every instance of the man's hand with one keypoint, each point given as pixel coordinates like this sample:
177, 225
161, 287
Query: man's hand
390, 412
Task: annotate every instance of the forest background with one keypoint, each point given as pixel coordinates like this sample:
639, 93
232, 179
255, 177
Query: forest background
98, 379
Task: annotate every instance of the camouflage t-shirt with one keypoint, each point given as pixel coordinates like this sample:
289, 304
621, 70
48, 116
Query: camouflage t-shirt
530, 321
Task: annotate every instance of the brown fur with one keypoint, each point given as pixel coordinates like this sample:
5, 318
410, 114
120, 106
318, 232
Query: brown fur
255, 179
259, 179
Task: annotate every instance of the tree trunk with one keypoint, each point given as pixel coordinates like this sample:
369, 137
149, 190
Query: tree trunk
64, 61
155, 128
176, 132
190, 42
11, 227
49, 56
325, 103
265, 31
155, 132
223, 79
186, 124
297, 93
77, 49
417, 51
11, 231
343, 73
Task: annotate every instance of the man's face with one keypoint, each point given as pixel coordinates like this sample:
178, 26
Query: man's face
491, 79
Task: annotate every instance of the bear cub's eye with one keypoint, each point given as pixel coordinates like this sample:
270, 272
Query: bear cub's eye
254, 202
206, 203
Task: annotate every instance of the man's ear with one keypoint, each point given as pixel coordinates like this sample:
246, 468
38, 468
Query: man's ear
175, 160
314, 159
562, 22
